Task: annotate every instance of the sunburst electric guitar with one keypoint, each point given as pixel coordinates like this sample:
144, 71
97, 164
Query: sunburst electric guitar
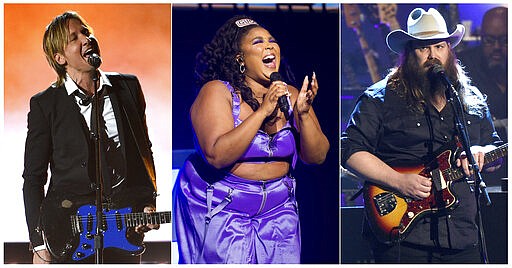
392, 216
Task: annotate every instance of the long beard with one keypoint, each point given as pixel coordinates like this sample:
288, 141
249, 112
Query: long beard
428, 82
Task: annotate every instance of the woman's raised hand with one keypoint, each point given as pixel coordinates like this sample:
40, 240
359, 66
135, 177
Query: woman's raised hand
306, 95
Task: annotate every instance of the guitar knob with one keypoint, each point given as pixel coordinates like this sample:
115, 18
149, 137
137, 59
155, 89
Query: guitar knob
86, 246
410, 214
79, 255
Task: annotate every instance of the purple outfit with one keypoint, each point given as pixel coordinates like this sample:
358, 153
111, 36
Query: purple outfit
223, 218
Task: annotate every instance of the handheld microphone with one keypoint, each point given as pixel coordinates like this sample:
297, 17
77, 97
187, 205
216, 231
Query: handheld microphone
282, 102
94, 60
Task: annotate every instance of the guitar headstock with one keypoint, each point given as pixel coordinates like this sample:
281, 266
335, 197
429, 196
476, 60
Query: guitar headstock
352, 15
387, 15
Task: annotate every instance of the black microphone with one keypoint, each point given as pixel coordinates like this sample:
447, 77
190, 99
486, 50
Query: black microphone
94, 60
282, 102
439, 71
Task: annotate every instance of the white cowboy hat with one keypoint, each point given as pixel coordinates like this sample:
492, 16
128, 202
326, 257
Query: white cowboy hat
424, 25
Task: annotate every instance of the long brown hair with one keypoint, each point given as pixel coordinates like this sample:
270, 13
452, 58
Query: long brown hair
408, 82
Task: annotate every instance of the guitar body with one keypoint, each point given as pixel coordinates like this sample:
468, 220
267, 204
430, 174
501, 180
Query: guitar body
55, 223
69, 226
392, 216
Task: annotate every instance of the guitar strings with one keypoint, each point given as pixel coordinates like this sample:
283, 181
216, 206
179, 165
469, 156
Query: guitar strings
109, 217
164, 217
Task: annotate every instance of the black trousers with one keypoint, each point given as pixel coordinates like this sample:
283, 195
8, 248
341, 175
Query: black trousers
410, 253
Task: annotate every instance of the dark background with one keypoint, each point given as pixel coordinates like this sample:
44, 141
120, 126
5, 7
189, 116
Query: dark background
355, 79
309, 39
354, 71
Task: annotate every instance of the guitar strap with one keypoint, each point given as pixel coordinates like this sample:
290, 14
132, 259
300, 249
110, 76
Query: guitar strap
430, 142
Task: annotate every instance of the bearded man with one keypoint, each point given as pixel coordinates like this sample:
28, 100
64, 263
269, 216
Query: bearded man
405, 120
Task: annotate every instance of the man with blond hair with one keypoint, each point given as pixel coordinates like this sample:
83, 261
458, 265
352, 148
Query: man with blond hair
63, 132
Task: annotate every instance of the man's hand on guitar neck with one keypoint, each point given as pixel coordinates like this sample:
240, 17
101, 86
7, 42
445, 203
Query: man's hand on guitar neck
479, 155
141, 229
41, 257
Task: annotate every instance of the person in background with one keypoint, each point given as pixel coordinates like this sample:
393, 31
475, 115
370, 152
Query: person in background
487, 65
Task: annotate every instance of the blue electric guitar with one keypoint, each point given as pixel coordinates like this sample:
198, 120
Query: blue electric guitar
69, 236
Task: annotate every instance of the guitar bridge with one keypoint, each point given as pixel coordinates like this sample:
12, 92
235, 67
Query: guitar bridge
385, 203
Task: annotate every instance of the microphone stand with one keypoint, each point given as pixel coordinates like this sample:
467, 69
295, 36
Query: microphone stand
98, 237
452, 96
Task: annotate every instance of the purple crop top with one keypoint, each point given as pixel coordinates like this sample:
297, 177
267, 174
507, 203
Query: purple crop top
279, 146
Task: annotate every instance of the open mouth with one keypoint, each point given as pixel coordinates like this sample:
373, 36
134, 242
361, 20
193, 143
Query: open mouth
88, 53
269, 61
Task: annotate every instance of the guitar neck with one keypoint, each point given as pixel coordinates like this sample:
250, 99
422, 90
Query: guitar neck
496, 154
457, 173
368, 57
393, 24
387, 15
141, 218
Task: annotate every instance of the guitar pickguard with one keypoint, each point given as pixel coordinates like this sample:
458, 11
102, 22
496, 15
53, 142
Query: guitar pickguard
441, 199
114, 231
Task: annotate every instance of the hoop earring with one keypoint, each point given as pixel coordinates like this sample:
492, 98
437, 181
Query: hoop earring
240, 61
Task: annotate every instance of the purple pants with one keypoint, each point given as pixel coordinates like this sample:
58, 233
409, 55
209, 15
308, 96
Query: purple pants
235, 220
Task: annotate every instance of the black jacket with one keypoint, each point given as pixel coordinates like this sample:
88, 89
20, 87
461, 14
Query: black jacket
58, 136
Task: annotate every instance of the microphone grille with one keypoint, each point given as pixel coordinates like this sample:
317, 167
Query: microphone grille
275, 76
437, 69
94, 60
